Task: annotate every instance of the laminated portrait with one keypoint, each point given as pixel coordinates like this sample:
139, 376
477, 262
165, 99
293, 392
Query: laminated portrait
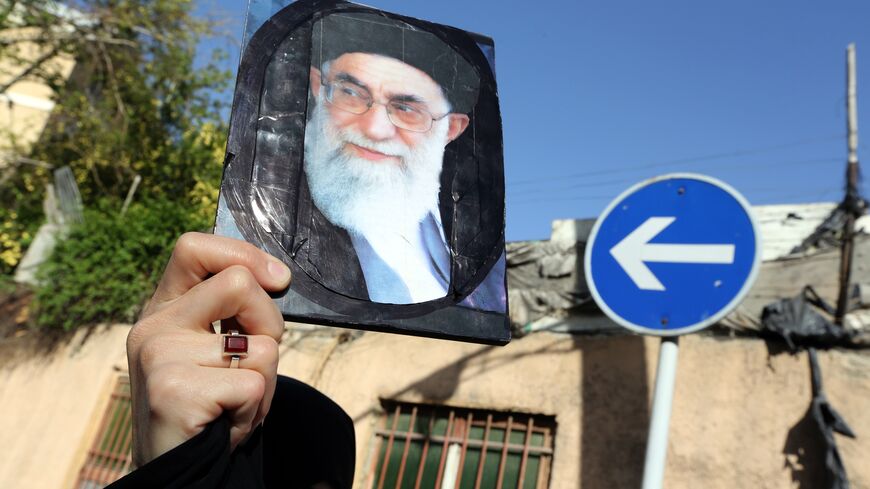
365, 151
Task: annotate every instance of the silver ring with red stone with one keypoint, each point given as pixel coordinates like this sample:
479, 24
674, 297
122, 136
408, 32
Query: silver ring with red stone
235, 346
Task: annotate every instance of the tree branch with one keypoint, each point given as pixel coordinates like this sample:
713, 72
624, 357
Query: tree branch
42, 39
37, 64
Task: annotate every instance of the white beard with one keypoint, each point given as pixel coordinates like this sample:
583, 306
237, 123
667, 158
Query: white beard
367, 197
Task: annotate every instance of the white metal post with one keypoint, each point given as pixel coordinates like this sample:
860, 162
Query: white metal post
663, 397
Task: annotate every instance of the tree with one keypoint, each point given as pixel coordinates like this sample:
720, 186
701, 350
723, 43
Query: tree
135, 104
134, 92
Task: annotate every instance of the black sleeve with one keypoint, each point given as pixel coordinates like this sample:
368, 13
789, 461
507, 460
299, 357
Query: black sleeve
308, 439
305, 439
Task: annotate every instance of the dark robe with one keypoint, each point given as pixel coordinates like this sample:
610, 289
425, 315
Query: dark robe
306, 439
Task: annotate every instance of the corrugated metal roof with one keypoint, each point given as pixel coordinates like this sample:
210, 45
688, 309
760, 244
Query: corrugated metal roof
783, 227
541, 300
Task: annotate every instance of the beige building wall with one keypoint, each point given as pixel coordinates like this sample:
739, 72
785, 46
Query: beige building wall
736, 421
737, 410
26, 106
53, 397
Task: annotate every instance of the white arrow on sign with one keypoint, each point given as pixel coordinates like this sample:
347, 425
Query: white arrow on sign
635, 249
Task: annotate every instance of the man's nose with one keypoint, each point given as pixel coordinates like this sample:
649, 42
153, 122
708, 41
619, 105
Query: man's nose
376, 125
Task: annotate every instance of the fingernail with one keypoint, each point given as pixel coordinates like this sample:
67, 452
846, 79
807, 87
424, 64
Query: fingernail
279, 271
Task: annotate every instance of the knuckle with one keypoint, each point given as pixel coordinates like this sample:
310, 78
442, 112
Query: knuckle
265, 350
134, 339
187, 243
238, 279
253, 385
139, 335
280, 327
264, 347
257, 388
189, 428
270, 321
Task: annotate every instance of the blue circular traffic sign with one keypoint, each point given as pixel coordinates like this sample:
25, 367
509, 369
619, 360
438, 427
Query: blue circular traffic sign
673, 254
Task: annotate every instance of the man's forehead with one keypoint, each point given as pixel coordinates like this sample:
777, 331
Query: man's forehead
336, 35
387, 75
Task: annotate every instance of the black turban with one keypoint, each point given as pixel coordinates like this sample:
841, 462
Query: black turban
338, 34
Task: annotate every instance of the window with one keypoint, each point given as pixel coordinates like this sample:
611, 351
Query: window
110, 456
434, 447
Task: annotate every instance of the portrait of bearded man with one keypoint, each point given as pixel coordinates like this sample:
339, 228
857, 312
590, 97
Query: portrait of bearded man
365, 152
385, 101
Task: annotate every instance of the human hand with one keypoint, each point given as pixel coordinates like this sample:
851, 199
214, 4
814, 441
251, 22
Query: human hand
179, 377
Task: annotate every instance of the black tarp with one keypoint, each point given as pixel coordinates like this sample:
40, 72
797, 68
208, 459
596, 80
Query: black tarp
796, 321
811, 448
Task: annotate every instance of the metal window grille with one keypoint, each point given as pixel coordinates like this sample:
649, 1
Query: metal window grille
436, 447
110, 457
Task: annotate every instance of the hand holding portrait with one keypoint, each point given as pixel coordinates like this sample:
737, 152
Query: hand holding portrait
179, 376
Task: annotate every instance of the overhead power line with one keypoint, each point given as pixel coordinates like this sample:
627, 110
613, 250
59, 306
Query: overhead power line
529, 191
815, 193
695, 159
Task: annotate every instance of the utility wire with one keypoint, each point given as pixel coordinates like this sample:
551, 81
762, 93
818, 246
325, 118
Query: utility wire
730, 154
610, 197
816, 195
558, 199
530, 191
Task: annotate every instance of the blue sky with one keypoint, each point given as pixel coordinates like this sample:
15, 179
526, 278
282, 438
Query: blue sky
596, 96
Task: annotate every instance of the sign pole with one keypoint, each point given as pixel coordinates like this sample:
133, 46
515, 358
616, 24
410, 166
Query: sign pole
852, 201
670, 256
663, 397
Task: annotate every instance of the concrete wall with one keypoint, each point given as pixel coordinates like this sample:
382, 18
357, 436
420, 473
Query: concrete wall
53, 397
737, 420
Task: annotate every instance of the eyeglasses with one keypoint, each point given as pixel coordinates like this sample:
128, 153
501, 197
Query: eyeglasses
357, 100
